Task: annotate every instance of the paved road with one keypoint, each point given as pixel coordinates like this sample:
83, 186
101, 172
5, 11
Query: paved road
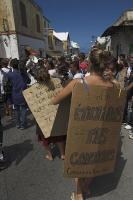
28, 176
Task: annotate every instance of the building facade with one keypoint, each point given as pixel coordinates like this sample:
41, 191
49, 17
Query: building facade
65, 38
55, 45
121, 34
46, 33
21, 26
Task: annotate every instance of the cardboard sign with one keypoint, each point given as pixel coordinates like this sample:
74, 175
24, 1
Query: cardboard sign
93, 132
38, 98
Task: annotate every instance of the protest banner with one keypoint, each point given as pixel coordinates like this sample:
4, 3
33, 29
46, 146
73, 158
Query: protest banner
94, 130
38, 98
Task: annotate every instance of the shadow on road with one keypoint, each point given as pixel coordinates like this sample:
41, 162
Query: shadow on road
17, 152
12, 124
104, 184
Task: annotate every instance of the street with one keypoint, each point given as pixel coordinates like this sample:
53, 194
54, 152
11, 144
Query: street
29, 176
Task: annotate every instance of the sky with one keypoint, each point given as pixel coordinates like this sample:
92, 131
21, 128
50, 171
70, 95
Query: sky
83, 19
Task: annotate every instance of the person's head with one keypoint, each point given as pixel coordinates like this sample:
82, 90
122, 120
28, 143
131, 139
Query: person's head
76, 58
68, 60
123, 64
14, 63
22, 65
81, 57
50, 65
102, 63
41, 62
42, 75
122, 57
61, 59
111, 69
74, 67
131, 75
55, 61
45, 61
4, 62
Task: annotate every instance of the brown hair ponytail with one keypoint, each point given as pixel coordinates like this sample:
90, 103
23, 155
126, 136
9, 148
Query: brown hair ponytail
42, 75
99, 61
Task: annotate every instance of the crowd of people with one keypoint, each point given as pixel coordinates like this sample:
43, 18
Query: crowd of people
100, 68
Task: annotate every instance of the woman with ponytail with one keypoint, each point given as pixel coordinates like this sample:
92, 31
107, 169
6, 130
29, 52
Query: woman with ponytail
99, 76
42, 76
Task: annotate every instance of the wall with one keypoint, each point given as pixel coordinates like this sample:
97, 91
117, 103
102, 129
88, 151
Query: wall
46, 33
66, 46
31, 11
6, 12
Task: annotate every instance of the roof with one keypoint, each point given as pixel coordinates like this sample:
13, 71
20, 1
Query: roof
63, 36
125, 20
34, 3
114, 29
46, 19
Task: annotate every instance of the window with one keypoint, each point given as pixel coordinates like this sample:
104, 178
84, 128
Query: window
44, 24
23, 14
50, 42
38, 23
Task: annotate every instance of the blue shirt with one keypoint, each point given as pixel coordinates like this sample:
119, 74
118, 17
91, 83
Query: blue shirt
18, 86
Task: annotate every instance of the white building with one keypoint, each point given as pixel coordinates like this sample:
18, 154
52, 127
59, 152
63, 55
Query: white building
75, 48
65, 38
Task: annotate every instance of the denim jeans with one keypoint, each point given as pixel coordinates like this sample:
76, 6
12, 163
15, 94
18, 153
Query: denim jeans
1, 133
21, 113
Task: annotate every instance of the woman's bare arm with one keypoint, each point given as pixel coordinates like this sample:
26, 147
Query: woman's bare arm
64, 92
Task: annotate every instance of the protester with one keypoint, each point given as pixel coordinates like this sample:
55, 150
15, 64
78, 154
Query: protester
122, 72
128, 85
55, 62
43, 77
62, 70
45, 62
83, 63
75, 71
99, 63
18, 85
130, 65
5, 65
5, 85
129, 106
121, 58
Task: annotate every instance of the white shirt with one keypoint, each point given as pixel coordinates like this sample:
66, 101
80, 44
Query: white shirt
52, 72
87, 74
78, 75
129, 71
5, 69
33, 80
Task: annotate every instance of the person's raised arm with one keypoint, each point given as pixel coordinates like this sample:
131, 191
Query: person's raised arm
64, 92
